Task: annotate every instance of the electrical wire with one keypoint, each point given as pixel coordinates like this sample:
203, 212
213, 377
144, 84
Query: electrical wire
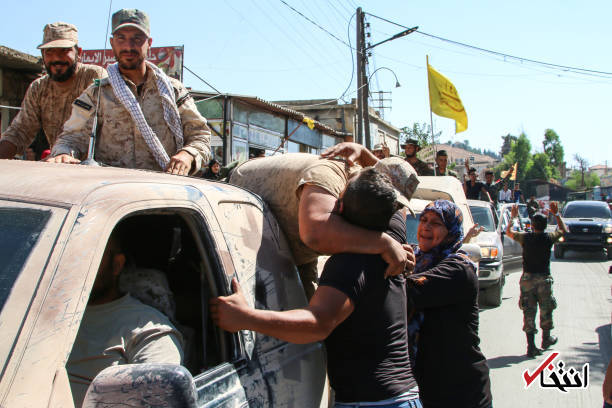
577, 70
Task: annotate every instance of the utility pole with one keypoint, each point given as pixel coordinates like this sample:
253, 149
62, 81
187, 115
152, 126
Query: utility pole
359, 53
363, 125
363, 89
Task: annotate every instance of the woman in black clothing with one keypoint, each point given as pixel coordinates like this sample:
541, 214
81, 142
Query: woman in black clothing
450, 369
211, 171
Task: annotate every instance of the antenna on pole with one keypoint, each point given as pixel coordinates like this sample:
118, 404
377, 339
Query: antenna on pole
91, 150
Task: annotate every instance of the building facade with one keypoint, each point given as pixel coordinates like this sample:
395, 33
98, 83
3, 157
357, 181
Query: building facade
343, 118
248, 126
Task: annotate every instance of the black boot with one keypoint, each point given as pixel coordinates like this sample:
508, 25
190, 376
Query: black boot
532, 350
547, 339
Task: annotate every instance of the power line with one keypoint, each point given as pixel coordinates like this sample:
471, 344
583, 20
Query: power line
577, 70
315, 23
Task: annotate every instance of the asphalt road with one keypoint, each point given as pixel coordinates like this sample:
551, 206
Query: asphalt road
582, 323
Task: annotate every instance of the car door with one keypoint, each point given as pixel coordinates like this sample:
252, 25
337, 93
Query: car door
512, 249
295, 373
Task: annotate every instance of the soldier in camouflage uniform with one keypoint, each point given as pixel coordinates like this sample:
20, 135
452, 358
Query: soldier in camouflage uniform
536, 280
123, 139
411, 147
48, 100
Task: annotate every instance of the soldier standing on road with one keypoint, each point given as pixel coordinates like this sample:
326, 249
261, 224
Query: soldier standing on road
48, 100
146, 120
411, 147
536, 280
442, 165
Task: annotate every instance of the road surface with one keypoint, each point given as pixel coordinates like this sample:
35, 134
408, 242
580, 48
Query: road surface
582, 323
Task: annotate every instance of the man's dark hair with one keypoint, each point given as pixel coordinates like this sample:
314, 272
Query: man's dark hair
488, 172
369, 200
441, 153
539, 221
472, 170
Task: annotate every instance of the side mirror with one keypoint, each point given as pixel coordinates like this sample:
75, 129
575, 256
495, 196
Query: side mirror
142, 385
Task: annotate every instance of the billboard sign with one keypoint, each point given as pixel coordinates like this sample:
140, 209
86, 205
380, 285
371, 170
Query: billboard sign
169, 59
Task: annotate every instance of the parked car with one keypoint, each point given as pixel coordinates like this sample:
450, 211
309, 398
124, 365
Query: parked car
55, 221
589, 226
524, 220
513, 252
491, 275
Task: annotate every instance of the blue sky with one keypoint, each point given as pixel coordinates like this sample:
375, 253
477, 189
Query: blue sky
263, 48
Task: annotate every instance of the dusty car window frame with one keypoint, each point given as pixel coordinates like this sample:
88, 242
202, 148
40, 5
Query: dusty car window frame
28, 282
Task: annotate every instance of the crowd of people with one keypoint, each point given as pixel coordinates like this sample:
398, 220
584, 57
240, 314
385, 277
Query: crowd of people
400, 323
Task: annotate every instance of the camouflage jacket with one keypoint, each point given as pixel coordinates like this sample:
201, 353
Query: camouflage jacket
422, 168
119, 142
447, 173
47, 105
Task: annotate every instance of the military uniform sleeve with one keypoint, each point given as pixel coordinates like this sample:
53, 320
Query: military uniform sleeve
27, 123
196, 133
74, 139
154, 341
330, 175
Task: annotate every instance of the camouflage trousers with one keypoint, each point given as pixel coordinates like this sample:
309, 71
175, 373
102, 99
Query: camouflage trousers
536, 290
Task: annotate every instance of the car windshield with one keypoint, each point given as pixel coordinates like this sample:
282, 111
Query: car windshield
586, 211
412, 224
21, 228
483, 217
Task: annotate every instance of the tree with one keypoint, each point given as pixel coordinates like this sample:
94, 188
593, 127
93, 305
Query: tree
575, 180
507, 145
541, 168
520, 152
583, 166
554, 149
420, 132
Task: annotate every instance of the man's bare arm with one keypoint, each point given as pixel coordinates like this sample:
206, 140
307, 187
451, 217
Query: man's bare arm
513, 215
353, 152
327, 309
329, 233
554, 208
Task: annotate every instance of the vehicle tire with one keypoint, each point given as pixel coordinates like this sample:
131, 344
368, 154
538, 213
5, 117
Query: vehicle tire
558, 252
492, 296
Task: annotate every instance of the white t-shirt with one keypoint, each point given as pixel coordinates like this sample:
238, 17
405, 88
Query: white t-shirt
124, 331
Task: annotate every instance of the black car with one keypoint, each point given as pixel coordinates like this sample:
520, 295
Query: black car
589, 225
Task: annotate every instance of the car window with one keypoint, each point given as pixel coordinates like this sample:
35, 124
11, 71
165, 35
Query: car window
412, 223
586, 211
21, 229
523, 211
484, 217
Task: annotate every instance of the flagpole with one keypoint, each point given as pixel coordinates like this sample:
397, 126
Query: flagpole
431, 116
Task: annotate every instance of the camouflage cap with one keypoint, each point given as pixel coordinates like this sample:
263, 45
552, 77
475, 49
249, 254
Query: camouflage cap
131, 18
410, 141
403, 177
59, 35
377, 146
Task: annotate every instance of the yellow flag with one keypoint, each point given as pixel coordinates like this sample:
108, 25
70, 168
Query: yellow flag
505, 173
444, 99
308, 121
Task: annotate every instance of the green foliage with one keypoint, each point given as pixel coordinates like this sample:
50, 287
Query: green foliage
574, 182
507, 145
520, 151
420, 132
553, 148
541, 167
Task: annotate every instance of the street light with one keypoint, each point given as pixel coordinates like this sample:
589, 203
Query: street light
397, 84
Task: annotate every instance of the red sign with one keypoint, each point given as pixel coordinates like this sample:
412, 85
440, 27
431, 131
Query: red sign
169, 59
